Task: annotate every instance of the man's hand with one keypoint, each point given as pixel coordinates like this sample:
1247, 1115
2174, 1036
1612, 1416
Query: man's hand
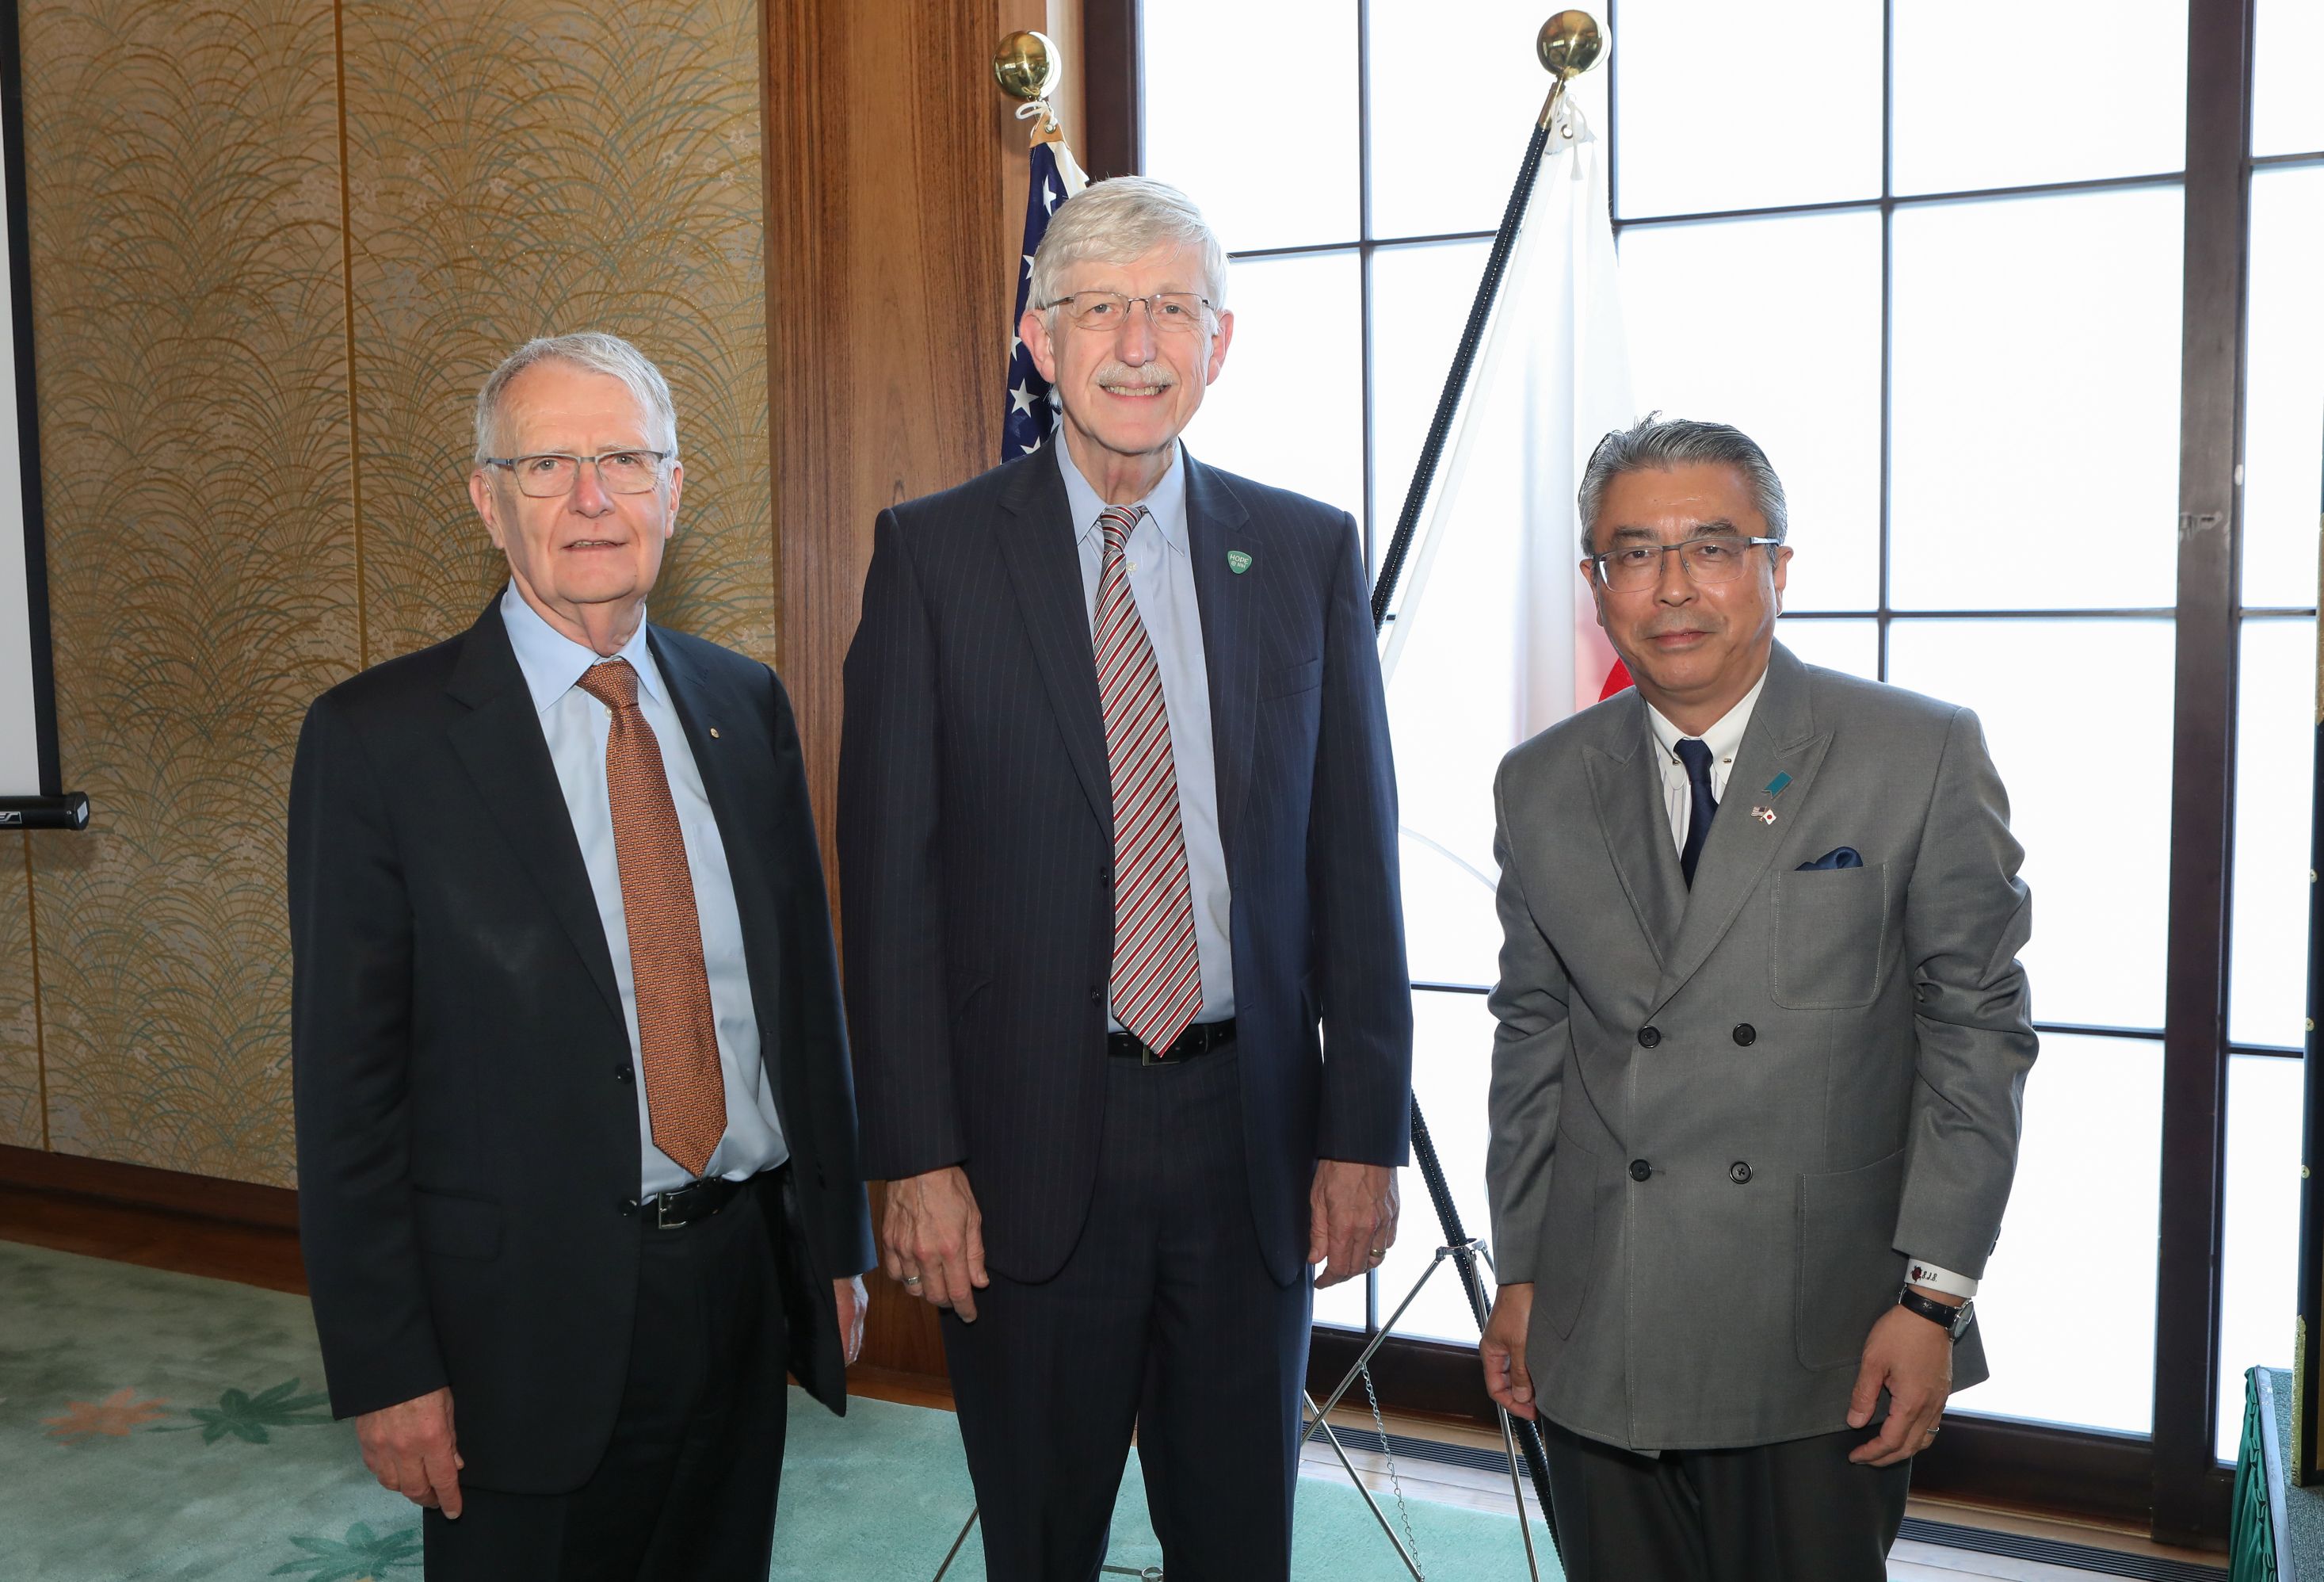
849, 1297
1913, 1360
1352, 1214
933, 1240
408, 1447
1503, 1351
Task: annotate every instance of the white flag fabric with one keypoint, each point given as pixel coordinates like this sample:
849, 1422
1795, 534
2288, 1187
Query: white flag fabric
1493, 637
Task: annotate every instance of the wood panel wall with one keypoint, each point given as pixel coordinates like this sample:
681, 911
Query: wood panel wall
894, 203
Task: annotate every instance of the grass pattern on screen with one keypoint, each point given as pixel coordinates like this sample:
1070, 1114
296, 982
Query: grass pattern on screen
192, 310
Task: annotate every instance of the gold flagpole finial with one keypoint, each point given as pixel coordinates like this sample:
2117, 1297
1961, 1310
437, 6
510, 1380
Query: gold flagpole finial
1025, 68
1568, 44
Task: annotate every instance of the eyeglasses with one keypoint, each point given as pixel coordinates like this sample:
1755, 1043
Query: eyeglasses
1170, 312
1718, 557
552, 474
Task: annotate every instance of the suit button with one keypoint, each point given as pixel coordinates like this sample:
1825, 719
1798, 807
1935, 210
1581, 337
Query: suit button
1640, 1170
1739, 1173
1105, 878
622, 1073
1097, 996
1648, 1037
626, 1207
1746, 1035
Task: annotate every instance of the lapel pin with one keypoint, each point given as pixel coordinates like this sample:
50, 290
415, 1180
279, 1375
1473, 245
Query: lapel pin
1776, 786
1765, 815
1237, 562
714, 730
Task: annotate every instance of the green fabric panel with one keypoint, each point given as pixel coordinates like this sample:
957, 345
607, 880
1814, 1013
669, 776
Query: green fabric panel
2251, 1536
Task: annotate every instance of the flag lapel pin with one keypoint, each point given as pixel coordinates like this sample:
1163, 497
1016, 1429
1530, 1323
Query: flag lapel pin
1237, 562
1765, 815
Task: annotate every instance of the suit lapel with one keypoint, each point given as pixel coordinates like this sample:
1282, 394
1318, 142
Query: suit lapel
1216, 525
725, 763
1627, 787
1037, 545
1782, 739
500, 742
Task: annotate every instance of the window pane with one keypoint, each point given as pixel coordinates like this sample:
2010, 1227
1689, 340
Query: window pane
1853, 646
2034, 445
2090, 804
1706, 303
1420, 300
1423, 184
2284, 388
2087, 1199
1270, 169
1720, 111
1289, 406
2287, 112
1452, 1066
2053, 94
2276, 765
2258, 1294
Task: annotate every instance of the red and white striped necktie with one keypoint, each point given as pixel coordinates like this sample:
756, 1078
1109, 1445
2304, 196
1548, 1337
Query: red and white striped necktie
1157, 974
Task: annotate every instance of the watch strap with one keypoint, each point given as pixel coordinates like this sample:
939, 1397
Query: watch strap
1953, 1320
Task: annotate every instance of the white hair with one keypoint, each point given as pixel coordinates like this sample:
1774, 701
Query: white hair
1120, 221
597, 352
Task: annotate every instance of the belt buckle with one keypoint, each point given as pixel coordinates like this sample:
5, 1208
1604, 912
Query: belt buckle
1148, 1055
662, 1221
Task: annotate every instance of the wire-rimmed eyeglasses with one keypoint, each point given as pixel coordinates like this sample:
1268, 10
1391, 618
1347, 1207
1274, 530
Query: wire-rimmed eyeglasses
1170, 312
549, 474
1713, 558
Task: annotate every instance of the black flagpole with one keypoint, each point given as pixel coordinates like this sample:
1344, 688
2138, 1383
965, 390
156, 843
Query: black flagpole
1415, 497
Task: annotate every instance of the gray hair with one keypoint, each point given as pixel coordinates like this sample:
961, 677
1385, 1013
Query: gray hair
1658, 444
599, 354
1121, 220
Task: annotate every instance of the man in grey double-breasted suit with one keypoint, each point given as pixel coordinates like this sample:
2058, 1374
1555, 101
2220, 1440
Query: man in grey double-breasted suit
1763, 1036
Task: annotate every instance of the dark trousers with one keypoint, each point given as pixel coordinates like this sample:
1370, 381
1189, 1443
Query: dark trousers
686, 1490
1794, 1511
1163, 1318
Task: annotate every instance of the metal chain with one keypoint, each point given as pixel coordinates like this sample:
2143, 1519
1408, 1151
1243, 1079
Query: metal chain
1396, 1485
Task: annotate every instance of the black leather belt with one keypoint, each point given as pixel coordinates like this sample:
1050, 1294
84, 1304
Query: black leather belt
1199, 1039
691, 1203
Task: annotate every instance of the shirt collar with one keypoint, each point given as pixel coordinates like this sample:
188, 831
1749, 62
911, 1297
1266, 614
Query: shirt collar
1725, 739
1166, 503
552, 661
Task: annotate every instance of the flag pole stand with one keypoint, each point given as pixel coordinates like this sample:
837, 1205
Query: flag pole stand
1568, 44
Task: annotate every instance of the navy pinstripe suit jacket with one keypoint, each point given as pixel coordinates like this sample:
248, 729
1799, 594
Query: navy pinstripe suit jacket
976, 851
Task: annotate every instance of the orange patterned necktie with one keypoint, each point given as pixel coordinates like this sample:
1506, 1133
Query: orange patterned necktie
677, 1038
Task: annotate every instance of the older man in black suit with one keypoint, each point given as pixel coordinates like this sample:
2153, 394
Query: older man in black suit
577, 1138
1117, 830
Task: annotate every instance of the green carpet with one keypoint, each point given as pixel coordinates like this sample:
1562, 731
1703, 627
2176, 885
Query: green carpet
161, 1426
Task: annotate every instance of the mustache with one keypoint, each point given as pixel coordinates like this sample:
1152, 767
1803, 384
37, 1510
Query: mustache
1121, 375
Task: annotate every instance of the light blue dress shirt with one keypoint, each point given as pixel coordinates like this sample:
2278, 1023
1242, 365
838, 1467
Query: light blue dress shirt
576, 725
1162, 586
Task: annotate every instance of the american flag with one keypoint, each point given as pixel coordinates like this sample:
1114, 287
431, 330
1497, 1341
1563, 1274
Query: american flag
1027, 418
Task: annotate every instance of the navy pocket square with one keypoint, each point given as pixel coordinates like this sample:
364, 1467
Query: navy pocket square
1838, 857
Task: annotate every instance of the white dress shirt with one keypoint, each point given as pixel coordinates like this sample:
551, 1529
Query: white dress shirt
576, 725
1725, 740
1161, 567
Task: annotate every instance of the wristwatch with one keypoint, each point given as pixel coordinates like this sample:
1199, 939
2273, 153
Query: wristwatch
1953, 1320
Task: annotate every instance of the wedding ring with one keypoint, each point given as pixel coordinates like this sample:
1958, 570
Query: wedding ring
911, 1279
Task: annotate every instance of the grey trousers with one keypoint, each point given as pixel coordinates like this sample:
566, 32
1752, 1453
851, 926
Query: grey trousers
1794, 1511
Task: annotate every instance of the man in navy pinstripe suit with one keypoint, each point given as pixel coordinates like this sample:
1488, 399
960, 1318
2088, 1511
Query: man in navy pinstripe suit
1117, 833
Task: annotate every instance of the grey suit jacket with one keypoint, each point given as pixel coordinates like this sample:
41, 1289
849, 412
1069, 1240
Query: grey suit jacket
1718, 1115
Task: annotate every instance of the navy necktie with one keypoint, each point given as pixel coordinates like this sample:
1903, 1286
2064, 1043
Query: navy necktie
1696, 756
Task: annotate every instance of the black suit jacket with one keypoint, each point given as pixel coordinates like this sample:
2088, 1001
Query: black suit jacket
468, 1138
976, 849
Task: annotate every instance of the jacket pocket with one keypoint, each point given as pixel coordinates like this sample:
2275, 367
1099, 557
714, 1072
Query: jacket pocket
456, 1227
1304, 677
1831, 936
1849, 1274
1568, 1238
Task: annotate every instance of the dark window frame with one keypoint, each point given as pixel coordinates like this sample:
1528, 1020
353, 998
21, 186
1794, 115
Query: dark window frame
2169, 1479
